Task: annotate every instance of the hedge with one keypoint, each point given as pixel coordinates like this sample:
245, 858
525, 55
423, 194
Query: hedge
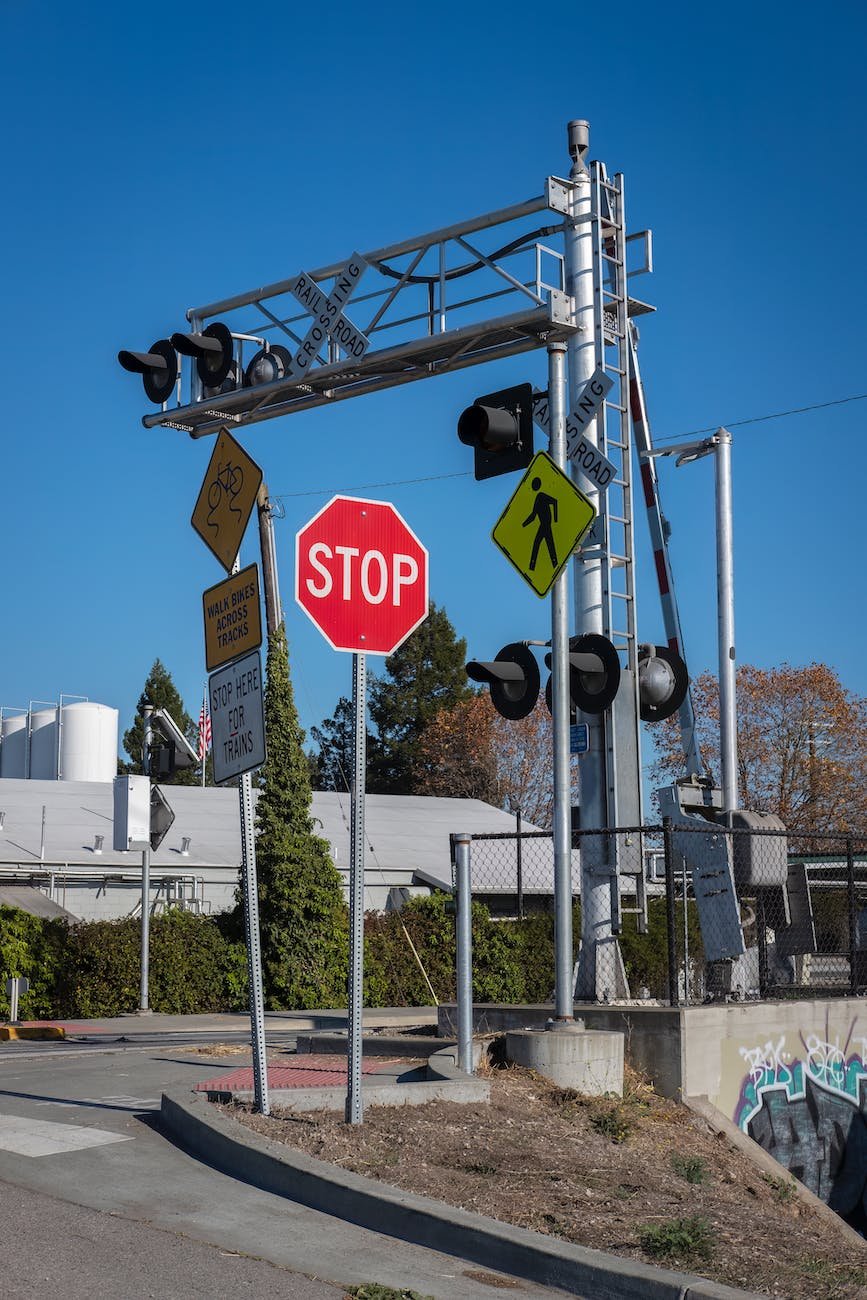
92, 968
197, 965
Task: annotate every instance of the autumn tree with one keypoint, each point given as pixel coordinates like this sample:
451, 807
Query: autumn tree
471, 751
802, 745
424, 675
456, 756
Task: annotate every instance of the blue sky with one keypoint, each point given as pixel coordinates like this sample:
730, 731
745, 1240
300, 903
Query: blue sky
153, 165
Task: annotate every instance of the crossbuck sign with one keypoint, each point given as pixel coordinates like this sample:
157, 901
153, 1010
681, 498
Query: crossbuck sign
327, 313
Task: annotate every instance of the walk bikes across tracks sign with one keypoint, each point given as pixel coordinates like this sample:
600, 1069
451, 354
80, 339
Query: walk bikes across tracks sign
543, 523
233, 617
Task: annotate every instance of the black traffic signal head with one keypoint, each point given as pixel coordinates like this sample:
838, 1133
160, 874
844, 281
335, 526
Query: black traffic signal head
500, 429
513, 678
158, 369
594, 673
213, 351
662, 682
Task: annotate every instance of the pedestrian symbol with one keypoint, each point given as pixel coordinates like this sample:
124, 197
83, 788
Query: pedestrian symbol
543, 523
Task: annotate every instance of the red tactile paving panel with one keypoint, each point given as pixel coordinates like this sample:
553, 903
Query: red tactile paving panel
306, 1071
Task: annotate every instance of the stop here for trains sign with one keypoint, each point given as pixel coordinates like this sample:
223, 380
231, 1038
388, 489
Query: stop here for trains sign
361, 575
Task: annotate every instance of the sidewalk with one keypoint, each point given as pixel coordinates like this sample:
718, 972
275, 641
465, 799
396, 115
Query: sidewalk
211, 1026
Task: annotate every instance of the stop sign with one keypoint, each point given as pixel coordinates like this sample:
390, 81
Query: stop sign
361, 575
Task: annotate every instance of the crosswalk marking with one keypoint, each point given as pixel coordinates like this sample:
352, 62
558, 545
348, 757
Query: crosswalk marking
39, 1137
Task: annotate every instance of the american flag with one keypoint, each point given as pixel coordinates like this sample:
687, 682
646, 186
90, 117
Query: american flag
204, 732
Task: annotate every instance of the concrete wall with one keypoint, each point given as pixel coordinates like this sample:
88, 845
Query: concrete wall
652, 1035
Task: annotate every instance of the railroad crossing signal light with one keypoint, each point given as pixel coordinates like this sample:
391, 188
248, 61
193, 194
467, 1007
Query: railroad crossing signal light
214, 354
499, 427
662, 682
513, 678
594, 673
157, 367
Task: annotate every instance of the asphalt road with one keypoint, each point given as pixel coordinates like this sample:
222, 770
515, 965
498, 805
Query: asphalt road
96, 1202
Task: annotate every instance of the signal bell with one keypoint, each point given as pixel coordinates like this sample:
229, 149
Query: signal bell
662, 682
499, 427
158, 369
272, 362
513, 678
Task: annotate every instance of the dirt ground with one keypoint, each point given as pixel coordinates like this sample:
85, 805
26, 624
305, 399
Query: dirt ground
641, 1177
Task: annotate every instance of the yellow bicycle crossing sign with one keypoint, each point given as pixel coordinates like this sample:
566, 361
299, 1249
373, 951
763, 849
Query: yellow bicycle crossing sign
227, 496
543, 523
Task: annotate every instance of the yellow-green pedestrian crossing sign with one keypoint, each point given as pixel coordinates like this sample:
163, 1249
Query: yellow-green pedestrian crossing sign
543, 523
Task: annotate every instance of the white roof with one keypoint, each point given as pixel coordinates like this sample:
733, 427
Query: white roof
404, 833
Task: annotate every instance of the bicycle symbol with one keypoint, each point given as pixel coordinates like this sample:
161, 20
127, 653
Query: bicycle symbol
227, 485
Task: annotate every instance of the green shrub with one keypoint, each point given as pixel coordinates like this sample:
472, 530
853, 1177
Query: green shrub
93, 969
678, 1239
691, 1168
31, 946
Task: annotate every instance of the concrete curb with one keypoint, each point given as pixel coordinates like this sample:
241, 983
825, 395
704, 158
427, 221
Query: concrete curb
277, 1168
720, 1123
20, 1033
334, 1043
445, 1082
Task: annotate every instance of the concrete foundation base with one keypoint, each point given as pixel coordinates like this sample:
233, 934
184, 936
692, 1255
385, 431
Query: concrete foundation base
588, 1060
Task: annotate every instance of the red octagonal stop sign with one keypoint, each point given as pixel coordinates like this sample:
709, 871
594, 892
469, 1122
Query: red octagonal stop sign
361, 575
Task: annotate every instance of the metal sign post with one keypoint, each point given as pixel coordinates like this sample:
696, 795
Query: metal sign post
143, 1004
560, 709
354, 1102
254, 951
361, 575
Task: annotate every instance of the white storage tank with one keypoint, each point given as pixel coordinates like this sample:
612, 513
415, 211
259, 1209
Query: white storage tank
43, 745
13, 746
88, 742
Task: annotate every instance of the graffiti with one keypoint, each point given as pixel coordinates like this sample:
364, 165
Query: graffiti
766, 1060
809, 1111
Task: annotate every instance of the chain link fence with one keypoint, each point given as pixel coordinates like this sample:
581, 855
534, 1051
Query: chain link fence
682, 915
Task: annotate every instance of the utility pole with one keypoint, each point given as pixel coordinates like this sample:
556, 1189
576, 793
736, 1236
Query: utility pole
270, 582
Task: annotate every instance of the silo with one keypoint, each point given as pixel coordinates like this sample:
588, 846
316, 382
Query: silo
88, 742
43, 745
13, 746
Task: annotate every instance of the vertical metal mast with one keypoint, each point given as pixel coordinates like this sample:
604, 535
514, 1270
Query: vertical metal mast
586, 350
726, 620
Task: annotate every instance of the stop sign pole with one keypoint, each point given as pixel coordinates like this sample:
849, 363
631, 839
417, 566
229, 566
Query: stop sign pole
361, 576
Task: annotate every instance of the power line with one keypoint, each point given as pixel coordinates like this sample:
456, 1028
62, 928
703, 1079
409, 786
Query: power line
758, 419
365, 487
657, 442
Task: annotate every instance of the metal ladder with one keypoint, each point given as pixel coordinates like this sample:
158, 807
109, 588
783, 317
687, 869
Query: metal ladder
616, 545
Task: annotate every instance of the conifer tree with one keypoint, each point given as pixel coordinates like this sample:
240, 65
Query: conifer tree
423, 676
160, 691
302, 914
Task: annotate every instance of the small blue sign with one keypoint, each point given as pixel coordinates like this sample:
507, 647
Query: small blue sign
579, 738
